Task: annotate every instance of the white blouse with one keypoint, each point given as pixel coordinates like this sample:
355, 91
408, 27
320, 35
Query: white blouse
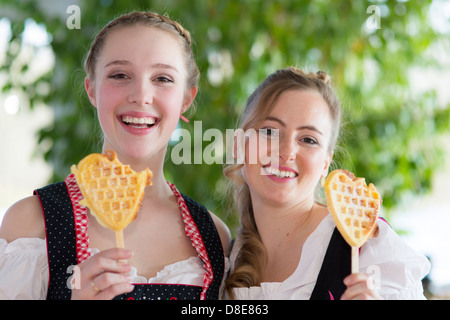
396, 269
24, 270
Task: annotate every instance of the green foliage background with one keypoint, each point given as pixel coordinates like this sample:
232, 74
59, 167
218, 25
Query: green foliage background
391, 134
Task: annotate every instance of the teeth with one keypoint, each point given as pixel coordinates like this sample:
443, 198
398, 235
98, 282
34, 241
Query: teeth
281, 174
129, 119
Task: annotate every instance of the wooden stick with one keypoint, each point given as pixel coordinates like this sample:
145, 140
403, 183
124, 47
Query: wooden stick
120, 243
355, 259
119, 239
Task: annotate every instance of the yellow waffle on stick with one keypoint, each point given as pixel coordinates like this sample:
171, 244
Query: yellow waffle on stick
354, 207
112, 191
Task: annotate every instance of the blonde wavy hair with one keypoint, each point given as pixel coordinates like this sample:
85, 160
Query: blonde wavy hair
251, 258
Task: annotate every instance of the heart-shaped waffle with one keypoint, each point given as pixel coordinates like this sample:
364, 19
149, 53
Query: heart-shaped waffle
112, 191
353, 205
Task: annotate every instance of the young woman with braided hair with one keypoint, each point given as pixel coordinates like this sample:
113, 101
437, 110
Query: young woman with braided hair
288, 246
141, 77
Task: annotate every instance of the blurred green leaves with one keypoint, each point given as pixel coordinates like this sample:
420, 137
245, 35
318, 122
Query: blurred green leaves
391, 136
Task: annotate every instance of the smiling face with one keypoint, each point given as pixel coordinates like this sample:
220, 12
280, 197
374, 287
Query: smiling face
301, 122
139, 90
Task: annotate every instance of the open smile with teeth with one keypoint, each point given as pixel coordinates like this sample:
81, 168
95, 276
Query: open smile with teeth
280, 173
143, 122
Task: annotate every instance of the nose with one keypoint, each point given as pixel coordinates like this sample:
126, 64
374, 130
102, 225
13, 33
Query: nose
141, 93
287, 150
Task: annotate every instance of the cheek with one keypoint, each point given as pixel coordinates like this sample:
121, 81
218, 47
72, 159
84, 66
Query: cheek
251, 165
253, 149
107, 98
269, 151
169, 102
169, 108
313, 162
258, 150
249, 175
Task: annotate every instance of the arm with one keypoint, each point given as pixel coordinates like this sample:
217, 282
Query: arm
24, 219
23, 263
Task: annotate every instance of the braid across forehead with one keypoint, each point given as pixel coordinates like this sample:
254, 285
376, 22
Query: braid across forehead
165, 20
150, 19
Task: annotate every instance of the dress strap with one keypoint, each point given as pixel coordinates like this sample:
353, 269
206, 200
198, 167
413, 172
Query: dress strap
200, 228
60, 232
335, 267
80, 218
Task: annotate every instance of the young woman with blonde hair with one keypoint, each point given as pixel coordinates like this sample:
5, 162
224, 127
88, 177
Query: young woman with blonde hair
141, 77
288, 246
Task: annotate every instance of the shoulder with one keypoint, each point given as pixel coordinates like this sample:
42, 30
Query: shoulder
23, 219
224, 233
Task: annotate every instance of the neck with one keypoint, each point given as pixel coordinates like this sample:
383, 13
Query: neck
281, 225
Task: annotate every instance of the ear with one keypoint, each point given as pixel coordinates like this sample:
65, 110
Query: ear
235, 146
188, 99
89, 87
327, 165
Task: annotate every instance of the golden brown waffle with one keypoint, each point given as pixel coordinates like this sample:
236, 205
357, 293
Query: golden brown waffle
353, 205
112, 191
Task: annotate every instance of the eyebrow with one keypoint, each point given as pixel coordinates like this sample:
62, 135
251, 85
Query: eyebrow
118, 62
126, 62
313, 128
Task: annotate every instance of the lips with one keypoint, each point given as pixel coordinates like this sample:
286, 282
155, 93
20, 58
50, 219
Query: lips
137, 123
281, 172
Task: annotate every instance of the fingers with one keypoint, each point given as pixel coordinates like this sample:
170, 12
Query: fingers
104, 275
360, 287
109, 260
113, 288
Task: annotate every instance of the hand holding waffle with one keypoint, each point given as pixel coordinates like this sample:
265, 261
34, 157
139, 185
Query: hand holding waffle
354, 207
112, 191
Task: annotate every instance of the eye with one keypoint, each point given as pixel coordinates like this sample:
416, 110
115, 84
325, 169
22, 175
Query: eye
163, 80
309, 140
269, 132
118, 76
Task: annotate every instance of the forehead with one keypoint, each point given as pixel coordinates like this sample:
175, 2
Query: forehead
306, 107
142, 44
301, 100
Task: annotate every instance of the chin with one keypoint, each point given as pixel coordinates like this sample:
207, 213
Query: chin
136, 153
279, 198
